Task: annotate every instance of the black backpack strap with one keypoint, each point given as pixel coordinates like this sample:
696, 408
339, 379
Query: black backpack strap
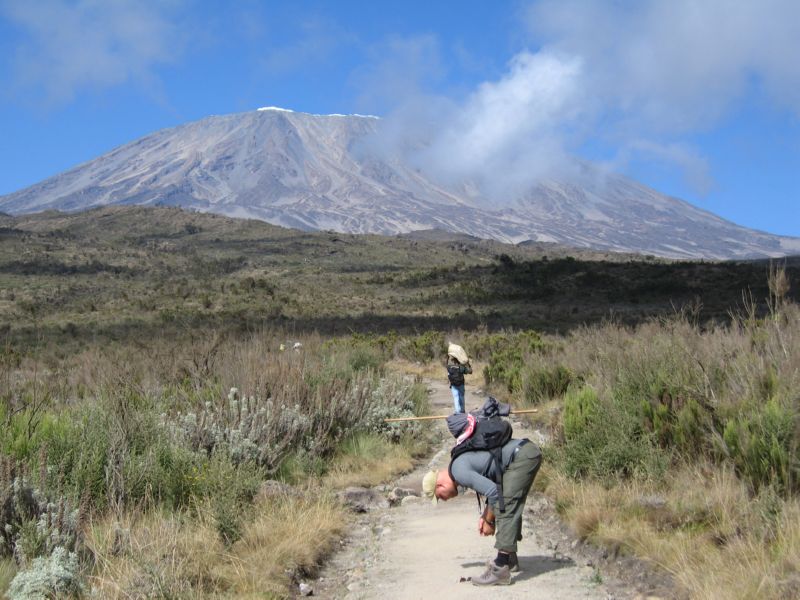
496, 458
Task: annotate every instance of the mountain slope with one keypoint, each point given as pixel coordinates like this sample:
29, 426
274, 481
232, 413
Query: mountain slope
318, 172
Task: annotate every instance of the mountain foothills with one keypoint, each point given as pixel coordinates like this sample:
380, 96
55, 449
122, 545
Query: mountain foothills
326, 172
129, 271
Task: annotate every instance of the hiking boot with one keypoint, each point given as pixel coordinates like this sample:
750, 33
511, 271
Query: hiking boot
513, 562
493, 575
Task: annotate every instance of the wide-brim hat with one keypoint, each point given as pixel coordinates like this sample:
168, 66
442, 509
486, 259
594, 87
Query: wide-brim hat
429, 486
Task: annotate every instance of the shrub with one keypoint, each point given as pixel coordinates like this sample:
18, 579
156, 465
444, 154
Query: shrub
54, 576
31, 524
230, 489
424, 347
363, 356
763, 448
508, 357
305, 421
581, 411
543, 383
605, 439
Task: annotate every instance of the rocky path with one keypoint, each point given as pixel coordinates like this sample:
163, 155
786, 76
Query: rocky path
416, 551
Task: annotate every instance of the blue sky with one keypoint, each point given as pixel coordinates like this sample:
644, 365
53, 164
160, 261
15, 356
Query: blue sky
700, 100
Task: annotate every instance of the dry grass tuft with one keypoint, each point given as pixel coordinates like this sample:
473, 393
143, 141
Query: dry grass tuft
368, 460
287, 534
702, 526
7, 571
157, 555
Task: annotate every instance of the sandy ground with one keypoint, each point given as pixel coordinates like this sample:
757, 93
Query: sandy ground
419, 551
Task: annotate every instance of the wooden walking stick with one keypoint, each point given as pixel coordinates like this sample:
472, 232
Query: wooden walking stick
430, 417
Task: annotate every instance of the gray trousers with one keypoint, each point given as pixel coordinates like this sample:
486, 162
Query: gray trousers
517, 481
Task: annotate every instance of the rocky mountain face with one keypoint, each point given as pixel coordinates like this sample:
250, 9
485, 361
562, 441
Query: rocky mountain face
317, 172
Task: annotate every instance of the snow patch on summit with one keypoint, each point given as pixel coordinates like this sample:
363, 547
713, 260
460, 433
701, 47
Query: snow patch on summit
288, 110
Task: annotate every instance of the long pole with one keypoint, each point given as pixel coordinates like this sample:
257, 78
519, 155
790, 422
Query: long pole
430, 417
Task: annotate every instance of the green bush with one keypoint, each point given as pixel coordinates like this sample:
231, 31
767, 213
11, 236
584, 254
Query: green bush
423, 348
581, 412
605, 440
364, 356
230, 489
508, 357
297, 466
29, 429
763, 447
544, 383
684, 425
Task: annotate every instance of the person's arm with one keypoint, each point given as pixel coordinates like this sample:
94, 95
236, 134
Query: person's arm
465, 474
466, 369
486, 522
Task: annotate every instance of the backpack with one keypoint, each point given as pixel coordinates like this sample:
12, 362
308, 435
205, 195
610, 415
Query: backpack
487, 434
455, 376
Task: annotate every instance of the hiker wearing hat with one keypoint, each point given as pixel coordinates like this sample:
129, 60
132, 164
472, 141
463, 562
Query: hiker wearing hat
457, 366
518, 462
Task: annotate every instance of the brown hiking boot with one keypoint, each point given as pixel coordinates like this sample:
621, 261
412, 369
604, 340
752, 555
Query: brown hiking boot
493, 575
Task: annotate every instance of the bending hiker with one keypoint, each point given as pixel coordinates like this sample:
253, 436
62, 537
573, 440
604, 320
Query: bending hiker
457, 366
518, 462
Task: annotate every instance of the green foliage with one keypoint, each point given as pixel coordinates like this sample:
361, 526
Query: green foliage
418, 399
28, 430
605, 440
581, 411
425, 347
683, 425
543, 383
364, 356
298, 466
509, 354
365, 445
763, 446
231, 489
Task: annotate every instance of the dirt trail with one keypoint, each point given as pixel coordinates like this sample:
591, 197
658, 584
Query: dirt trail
418, 551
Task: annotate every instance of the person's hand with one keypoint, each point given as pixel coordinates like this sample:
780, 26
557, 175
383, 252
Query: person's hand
485, 528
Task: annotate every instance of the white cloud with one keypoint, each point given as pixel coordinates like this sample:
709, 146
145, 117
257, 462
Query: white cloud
637, 77
676, 65
67, 46
509, 132
502, 137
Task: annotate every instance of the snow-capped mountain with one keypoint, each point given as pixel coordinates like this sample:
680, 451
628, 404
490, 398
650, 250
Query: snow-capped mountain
317, 172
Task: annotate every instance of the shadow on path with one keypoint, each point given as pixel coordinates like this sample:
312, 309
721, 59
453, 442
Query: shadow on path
532, 566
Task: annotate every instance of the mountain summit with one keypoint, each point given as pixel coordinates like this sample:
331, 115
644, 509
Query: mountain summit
319, 172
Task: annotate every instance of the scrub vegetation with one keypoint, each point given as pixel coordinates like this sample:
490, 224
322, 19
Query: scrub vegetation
183, 394
677, 441
137, 473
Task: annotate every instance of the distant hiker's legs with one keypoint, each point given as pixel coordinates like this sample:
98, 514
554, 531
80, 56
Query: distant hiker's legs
517, 481
458, 398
